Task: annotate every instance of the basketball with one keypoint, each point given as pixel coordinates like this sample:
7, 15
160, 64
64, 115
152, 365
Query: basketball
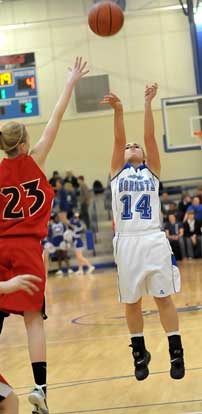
106, 19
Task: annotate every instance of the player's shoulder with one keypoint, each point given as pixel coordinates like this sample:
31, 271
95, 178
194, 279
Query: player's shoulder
123, 171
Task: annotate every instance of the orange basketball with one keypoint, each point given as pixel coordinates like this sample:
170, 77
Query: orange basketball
105, 19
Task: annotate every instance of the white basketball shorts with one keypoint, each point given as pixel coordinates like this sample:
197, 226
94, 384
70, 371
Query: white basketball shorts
146, 266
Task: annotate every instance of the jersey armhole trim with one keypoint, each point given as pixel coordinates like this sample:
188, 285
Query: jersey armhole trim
153, 173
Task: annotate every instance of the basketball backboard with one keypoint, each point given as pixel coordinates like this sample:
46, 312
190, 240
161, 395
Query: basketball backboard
182, 119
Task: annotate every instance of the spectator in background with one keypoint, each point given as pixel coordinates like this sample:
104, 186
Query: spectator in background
174, 232
172, 209
59, 198
56, 244
199, 194
84, 201
98, 187
165, 205
77, 228
183, 205
70, 178
192, 235
196, 207
53, 179
70, 202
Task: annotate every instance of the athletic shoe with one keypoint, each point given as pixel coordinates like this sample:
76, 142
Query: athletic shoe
38, 399
90, 270
141, 364
59, 273
36, 410
177, 370
69, 271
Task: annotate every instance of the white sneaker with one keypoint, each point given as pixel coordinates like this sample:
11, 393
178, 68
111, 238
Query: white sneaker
90, 270
38, 399
59, 273
70, 271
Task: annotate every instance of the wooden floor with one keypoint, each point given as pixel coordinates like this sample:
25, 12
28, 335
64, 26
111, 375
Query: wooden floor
90, 364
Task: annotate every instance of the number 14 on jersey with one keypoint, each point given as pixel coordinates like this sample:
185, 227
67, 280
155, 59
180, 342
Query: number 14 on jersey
142, 206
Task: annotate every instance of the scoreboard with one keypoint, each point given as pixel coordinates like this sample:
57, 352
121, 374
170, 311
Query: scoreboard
18, 86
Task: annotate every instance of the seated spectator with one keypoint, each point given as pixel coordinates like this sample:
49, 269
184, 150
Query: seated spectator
183, 205
174, 232
173, 209
196, 207
192, 235
53, 179
70, 178
98, 187
56, 244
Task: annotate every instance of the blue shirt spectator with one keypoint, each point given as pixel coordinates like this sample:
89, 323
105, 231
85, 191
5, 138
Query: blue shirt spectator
196, 207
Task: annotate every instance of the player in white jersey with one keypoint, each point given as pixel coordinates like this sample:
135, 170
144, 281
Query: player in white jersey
143, 255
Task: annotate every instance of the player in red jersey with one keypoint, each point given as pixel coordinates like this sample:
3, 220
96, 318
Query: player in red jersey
25, 205
26, 283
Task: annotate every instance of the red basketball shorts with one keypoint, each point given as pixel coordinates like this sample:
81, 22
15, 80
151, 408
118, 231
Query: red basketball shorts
19, 256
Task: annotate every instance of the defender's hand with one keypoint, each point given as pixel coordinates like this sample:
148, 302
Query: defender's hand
150, 92
22, 282
79, 70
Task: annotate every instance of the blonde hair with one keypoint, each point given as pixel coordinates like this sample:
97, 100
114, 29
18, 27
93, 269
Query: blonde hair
11, 135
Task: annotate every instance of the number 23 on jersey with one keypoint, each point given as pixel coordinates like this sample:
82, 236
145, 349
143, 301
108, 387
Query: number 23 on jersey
14, 208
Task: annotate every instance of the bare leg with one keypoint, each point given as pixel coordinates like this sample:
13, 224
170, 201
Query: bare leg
36, 335
134, 317
168, 314
46, 261
10, 405
81, 259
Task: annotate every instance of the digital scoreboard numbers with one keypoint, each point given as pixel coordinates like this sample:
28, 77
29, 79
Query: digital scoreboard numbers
18, 86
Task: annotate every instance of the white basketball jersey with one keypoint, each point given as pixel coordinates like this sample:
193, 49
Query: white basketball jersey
135, 200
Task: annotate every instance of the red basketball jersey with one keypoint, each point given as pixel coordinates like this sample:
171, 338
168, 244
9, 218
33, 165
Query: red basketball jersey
25, 198
3, 380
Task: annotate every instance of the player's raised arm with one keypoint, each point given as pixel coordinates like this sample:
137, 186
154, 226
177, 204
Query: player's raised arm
153, 159
42, 148
117, 161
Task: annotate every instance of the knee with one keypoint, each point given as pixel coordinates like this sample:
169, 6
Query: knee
134, 307
31, 317
10, 404
163, 302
